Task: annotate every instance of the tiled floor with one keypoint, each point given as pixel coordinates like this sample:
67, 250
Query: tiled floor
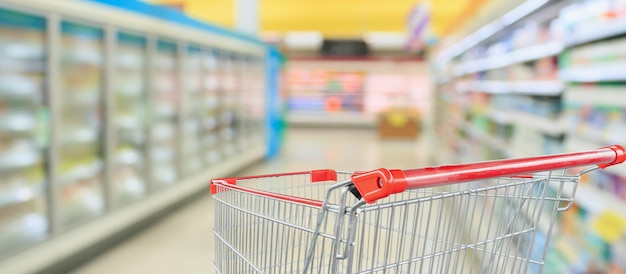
183, 242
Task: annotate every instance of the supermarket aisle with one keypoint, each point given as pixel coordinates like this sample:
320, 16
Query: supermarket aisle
183, 242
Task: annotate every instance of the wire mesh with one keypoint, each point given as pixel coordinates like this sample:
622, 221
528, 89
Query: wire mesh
488, 226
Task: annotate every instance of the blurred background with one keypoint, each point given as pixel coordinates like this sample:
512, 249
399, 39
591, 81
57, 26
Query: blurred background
115, 114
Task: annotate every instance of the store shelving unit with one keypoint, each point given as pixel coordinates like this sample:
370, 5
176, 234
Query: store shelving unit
562, 92
107, 123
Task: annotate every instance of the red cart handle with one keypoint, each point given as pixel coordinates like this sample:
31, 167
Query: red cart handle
380, 183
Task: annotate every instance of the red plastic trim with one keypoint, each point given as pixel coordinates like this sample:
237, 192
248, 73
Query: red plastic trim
231, 181
323, 175
620, 156
427, 177
380, 183
286, 198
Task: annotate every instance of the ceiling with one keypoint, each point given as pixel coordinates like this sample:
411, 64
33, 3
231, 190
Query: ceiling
334, 18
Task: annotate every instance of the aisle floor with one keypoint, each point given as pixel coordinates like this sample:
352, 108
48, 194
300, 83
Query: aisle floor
183, 241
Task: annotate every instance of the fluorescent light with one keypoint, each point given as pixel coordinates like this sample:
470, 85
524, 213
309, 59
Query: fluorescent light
304, 40
381, 40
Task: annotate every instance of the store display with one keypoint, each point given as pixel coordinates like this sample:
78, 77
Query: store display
104, 124
325, 91
129, 171
80, 171
570, 97
24, 134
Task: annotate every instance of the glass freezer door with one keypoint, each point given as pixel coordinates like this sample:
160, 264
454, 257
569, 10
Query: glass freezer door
23, 131
80, 174
129, 122
210, 113
164, 154
228, 104
191, 140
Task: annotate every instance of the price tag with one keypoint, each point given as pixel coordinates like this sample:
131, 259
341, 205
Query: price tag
609, 225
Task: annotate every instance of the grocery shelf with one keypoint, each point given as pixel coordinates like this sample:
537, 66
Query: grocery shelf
331, 119
493, 142
594, 73
550, 126
599, 96
540, 87
596, 201
596, 31
522, 55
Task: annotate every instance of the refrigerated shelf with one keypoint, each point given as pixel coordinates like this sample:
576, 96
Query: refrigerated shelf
80, 172
17, 121
19, 158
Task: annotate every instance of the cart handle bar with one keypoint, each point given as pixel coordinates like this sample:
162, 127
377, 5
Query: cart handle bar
380, 183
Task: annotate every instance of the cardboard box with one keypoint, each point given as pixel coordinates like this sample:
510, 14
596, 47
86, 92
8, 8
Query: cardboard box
399, 123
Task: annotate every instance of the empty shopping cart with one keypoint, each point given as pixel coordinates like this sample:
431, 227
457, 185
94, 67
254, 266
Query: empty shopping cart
487, 217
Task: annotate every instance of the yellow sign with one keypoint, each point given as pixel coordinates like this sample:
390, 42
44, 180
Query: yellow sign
609, 225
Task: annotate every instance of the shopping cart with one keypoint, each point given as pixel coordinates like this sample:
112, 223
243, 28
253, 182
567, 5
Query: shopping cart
487, 217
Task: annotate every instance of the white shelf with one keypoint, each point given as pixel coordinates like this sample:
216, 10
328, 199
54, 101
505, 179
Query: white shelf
542, 87
522, 55
493, 142
331, 119
549, 126
595, 73
596, 31
596, 201
596, 96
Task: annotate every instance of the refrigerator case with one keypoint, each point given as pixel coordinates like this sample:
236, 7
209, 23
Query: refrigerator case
210, 112
191, 140
129, 165
81, 164
164, 153
23, 131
